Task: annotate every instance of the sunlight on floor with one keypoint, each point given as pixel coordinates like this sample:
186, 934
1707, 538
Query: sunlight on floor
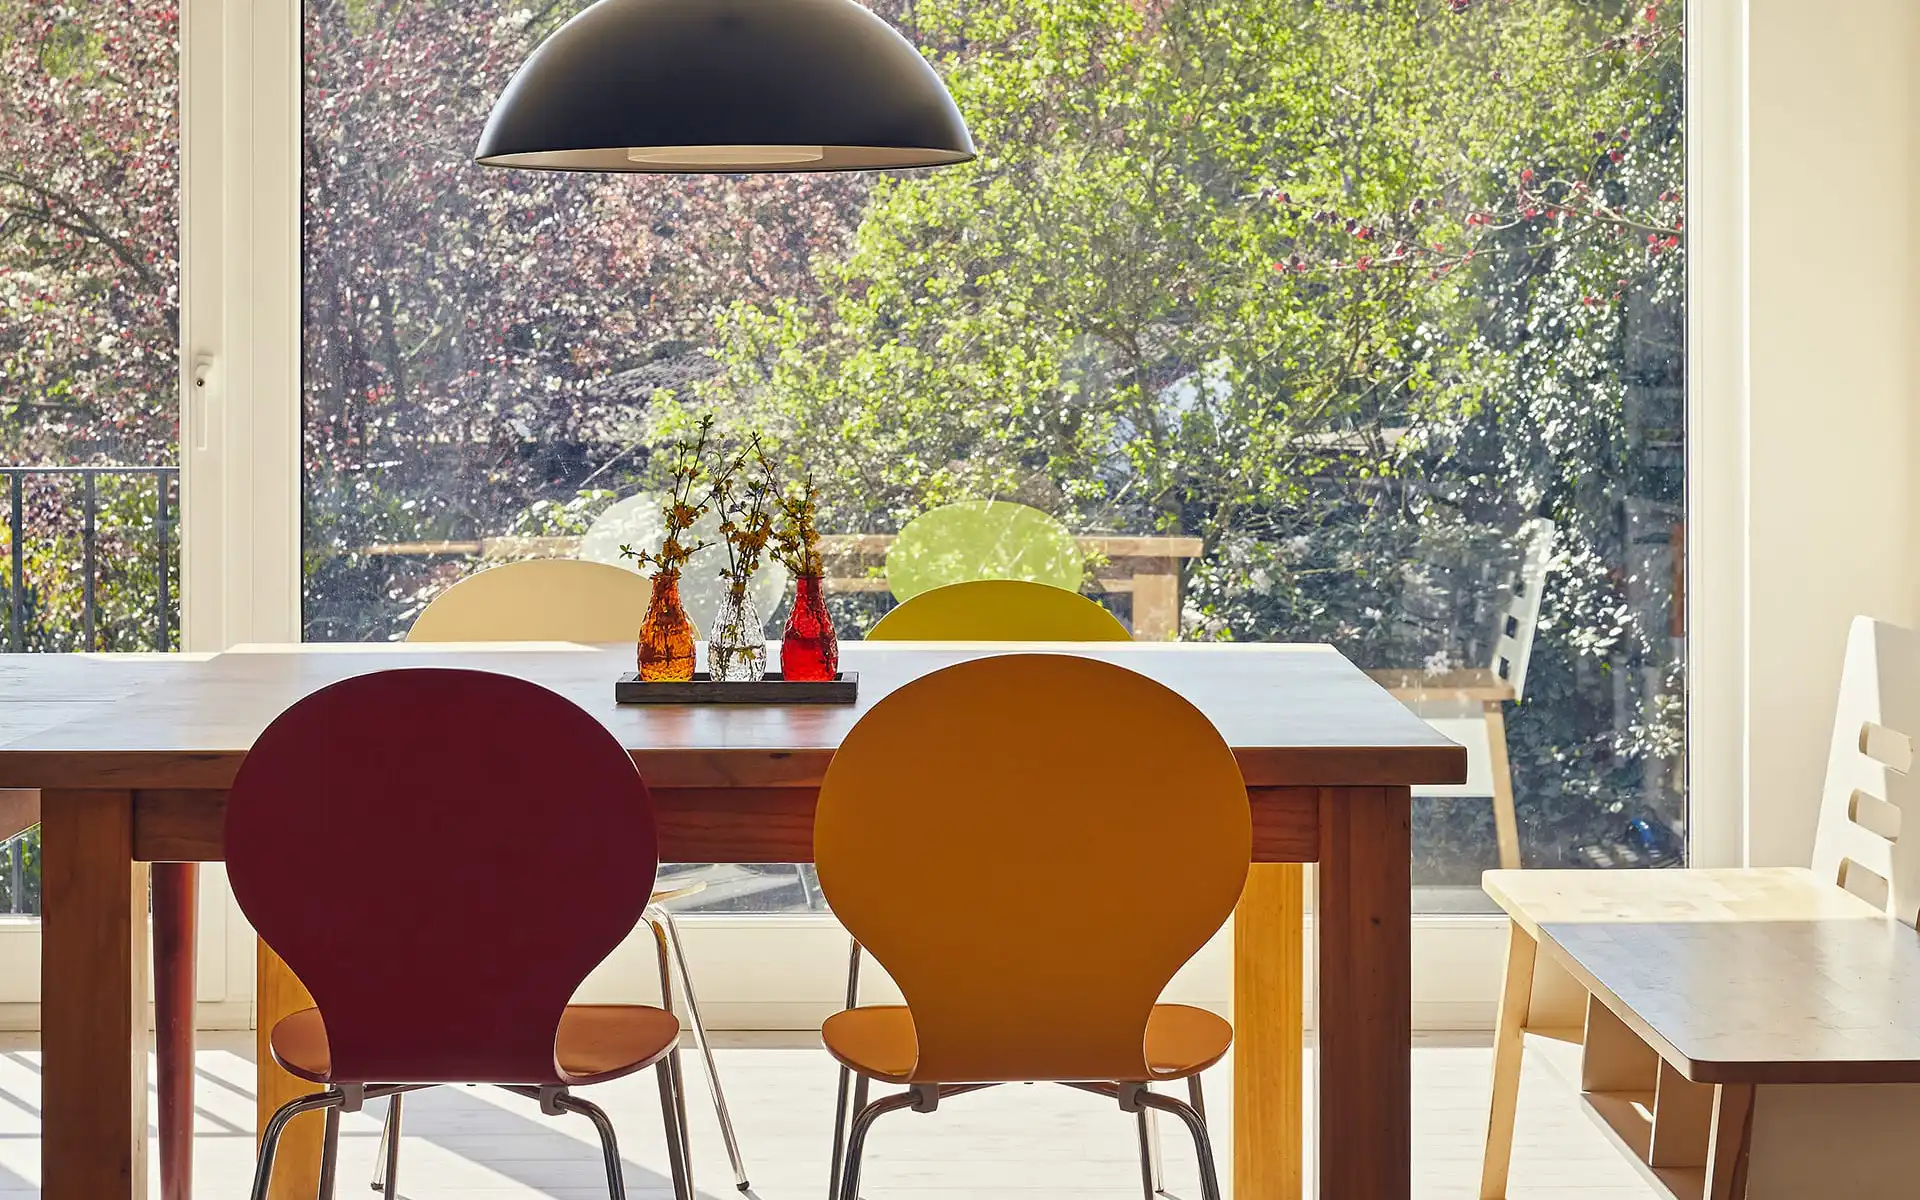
487, 1144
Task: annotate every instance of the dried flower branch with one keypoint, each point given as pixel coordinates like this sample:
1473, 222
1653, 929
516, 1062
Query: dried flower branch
796, 537
688, 468
746, 517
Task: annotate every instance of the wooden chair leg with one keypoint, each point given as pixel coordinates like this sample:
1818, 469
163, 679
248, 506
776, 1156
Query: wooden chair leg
1506, 824
176, 899
1509, 1038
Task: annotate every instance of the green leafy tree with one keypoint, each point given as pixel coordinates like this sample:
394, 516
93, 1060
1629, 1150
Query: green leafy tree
1348, 290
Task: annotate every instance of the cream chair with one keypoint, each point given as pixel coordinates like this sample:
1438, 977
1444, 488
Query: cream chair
560, 599
1469, 707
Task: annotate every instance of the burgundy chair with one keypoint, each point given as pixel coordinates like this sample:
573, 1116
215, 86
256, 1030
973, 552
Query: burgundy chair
441, 856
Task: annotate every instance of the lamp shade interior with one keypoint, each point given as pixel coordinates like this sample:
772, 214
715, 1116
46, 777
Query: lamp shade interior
725, 86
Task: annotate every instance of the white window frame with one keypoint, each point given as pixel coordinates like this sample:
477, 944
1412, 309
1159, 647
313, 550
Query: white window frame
241, 486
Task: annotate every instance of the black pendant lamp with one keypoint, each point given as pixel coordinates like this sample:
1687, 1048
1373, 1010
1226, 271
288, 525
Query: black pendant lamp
724, 86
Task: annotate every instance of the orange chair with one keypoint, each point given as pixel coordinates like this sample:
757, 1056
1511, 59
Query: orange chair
1031, 845
406, 792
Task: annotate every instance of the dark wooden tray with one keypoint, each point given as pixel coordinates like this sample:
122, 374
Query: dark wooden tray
701, 689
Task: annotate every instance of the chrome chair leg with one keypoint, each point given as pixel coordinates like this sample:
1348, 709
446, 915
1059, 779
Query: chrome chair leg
330, 1154
660, 917
1202, 1144
386, 1166
670, 1065
1135, 1097
1149, 1154
277, 1125
609, 1146
857, 1136
677, 1161
840, 1111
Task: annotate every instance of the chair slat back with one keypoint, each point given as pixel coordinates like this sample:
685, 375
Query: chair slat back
1000, 610
1031, 845
1518, 618
441, 856
539, 600
1870, 794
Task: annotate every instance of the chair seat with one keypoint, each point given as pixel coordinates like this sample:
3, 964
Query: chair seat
666, 895
595, 1042
879, 1041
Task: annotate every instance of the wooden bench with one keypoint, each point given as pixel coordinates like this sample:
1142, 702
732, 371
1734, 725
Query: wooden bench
1147, 568
1746, 1034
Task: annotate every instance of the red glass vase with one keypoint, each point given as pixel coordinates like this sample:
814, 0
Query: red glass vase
809, 650
667, 634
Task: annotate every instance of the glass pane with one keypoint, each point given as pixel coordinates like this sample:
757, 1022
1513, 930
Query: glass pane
1350, 322
89, 344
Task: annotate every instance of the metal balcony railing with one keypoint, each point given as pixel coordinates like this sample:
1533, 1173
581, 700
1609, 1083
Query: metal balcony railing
136, 492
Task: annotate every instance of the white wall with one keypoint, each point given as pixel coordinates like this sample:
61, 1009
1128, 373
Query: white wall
1831, 446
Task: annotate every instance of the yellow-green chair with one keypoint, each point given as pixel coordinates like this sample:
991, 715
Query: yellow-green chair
568, 600
1031, 845
982, 539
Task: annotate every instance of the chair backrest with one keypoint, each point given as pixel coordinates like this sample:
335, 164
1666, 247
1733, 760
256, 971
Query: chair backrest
539, 600
1518, 618
1870, 793
441, 856
1000, 610
1032, 845
982, 539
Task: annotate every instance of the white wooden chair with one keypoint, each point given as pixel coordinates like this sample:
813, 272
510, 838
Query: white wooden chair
1748, 1032
1469, 707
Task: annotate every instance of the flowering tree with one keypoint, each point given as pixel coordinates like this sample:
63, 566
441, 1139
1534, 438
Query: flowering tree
1348, 290
89, 199
466, 329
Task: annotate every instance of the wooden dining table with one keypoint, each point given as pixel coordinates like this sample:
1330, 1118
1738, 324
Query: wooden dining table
132, 758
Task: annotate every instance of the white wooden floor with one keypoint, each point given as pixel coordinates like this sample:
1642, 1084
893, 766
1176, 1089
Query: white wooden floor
1021, 1142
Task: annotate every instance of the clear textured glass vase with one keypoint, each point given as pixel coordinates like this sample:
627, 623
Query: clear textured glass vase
737, 648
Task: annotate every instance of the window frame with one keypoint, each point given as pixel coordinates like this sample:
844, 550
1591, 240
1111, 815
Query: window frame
240, 370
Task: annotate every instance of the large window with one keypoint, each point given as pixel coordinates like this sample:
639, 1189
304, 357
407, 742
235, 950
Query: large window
89, 328
1369, 310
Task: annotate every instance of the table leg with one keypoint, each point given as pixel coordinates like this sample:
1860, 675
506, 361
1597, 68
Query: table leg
93, 1002
1364, 1005
296, 1167
1268, 989
176, 900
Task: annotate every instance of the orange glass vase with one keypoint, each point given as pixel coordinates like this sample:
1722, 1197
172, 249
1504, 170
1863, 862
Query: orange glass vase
667, 634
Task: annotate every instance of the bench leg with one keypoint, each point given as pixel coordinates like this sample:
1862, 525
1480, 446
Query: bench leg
1727, 1143
1819, 1140
1509, 1037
